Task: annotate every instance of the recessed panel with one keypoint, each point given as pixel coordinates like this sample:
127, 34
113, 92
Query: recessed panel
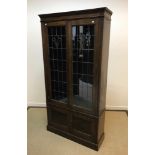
58, 118
83, 126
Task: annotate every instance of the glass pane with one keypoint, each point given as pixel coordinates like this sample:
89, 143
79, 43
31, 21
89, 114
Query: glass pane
57, 52
83, 50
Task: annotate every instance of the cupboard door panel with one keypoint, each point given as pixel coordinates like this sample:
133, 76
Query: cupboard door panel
58, 118
83, 126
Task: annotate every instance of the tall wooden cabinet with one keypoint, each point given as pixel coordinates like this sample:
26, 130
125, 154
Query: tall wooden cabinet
75, 52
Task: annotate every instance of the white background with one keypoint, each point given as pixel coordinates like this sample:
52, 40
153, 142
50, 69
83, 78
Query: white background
13, 78
117, 84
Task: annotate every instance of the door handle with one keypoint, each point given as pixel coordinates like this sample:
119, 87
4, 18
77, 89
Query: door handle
80, 55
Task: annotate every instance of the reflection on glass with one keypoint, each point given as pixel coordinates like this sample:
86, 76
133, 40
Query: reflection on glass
83, 49
57, 51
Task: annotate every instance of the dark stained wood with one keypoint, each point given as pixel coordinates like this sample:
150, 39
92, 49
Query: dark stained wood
98, 61
69, 62
75, 138
102, 71
46, 62
79, 12
96, 66
100, 127
85, 126
58, 118
103, 62
89, 13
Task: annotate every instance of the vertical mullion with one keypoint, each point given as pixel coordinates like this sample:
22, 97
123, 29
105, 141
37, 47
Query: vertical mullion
69, 62
45, 42
95, 66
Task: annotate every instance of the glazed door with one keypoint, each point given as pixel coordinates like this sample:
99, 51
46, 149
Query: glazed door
83, 61
70, 63
56, 33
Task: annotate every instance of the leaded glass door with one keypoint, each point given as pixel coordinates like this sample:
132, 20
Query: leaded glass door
57, 51
83, 48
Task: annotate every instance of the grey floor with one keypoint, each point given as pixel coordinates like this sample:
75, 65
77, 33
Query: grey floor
42, 142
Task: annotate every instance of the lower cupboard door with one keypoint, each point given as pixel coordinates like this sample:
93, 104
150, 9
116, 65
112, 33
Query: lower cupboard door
84, 127
58, 118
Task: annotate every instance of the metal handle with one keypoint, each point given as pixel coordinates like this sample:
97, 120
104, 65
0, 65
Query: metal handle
80, 55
